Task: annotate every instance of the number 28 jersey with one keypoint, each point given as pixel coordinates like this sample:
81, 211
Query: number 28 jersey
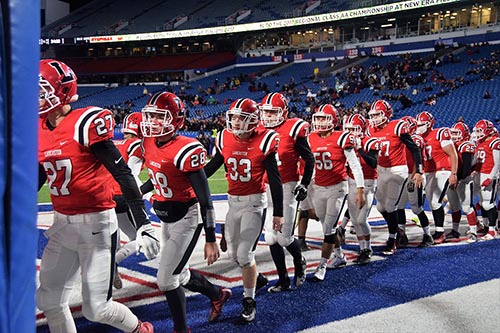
78, 182
169, 166
244, 160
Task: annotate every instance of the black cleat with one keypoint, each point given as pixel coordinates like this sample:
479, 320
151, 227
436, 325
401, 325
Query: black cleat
249, 309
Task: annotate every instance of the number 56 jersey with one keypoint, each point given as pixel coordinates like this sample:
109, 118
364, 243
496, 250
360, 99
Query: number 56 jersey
169, 166
78, 182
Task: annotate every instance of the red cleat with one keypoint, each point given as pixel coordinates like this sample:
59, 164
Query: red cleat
217, 305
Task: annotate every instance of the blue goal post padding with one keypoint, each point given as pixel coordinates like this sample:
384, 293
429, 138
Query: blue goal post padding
23, 52
3, 176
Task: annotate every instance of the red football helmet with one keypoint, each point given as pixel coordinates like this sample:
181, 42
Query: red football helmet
132, 124
380, 113
57, 84
273, 109
425, 122
482, 130
460, 132
356, 124
325, 118
162, 115
242, 116
412, 123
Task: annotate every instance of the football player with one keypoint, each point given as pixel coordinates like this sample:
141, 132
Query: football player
461, 197
392, 169
488, 167
175, 167
441, 164
293, 144
130, 149
248, 151
332, 150
75, 150
412, 194
367, 150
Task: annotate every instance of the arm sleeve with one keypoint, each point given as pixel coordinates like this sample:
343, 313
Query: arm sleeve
135, 165
304, 151
370, 157
466, 165
107, 153
200, 185
274, 178
415, 151
42, 176
147, 186
214, 164
355, 166
496, 165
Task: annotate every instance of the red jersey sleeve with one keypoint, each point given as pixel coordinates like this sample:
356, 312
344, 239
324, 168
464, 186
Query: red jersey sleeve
347, 140
191, 157
94, 125
269, 143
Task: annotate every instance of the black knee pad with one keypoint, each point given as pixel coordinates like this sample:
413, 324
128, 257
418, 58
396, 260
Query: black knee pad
304, 214
330, 239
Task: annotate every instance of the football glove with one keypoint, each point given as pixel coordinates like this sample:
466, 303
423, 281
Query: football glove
300, 192
147, 242
487, 182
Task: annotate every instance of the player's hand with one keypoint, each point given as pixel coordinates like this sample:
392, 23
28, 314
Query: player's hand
278, 222
211, 252
360, 198
418, 179
147, 241
358, 143
487, 182
300, 192
452, 181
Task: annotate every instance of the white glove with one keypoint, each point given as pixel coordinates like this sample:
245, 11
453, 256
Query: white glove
147, 241
358, 143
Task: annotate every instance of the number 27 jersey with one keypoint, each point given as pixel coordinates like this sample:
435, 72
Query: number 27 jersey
78, 182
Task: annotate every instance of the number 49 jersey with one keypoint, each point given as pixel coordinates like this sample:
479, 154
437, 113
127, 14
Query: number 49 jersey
78, 182
169, 166
244, 160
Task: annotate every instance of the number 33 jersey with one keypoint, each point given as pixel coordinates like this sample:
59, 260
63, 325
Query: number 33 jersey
78, 182
169, 166
244, 160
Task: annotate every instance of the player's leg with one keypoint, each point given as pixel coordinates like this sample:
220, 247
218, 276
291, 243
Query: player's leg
59, 270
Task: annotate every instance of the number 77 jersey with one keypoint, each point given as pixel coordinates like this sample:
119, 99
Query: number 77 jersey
78, 182
392, 149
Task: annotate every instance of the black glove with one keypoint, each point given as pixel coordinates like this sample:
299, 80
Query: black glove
300, 192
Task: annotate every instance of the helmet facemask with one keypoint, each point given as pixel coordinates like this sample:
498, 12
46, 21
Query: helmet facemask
156, 122
240, 123
322, 122
47, 100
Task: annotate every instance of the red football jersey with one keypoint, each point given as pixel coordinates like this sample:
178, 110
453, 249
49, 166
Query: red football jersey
409, 157
169, 165
78, 182
329, 158
484, 155
244, 160
435, 157
367, 144
464, 147
392, 149
128, 148
288, 158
